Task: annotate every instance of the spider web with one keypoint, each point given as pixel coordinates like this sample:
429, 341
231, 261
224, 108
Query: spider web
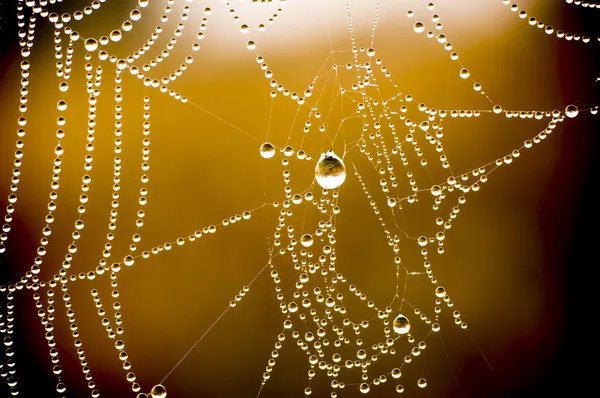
392, 144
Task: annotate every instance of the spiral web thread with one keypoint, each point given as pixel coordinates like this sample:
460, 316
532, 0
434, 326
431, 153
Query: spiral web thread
315, 313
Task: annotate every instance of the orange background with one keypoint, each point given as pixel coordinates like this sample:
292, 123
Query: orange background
517, 257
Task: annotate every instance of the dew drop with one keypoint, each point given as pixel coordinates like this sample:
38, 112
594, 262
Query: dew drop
436, 190
422, 383
250, 45
419, 27
371, 52
464, 73
135, 15
440, 291
91, 44
364, 388
288, 151
330, 171
571, 111
306, 240
158, 391
267, 150
116, 35
401, 324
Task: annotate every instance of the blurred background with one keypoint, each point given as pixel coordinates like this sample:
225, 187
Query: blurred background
519, 259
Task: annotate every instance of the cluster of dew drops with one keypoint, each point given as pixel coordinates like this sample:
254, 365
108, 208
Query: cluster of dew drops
330, 173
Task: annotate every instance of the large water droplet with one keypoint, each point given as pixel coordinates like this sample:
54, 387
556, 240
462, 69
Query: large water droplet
571, 111
158, 391
330, 171
267, 150
116, 35
440, 291
306, 240
91, 44
401, 324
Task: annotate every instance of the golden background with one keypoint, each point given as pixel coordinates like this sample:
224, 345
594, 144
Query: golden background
505, 255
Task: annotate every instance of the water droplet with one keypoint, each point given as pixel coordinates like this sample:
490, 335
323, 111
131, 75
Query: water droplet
364, 388
464, 73
399, 388
419, 27
571, 111
306, 240
135, 15
401, 324
440, 291
91, 44
371, 52
422, 383
267, 150
116, 35
330, 171
436, 190
288, 151
396, 373
158, 391
422, 241
250, 45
